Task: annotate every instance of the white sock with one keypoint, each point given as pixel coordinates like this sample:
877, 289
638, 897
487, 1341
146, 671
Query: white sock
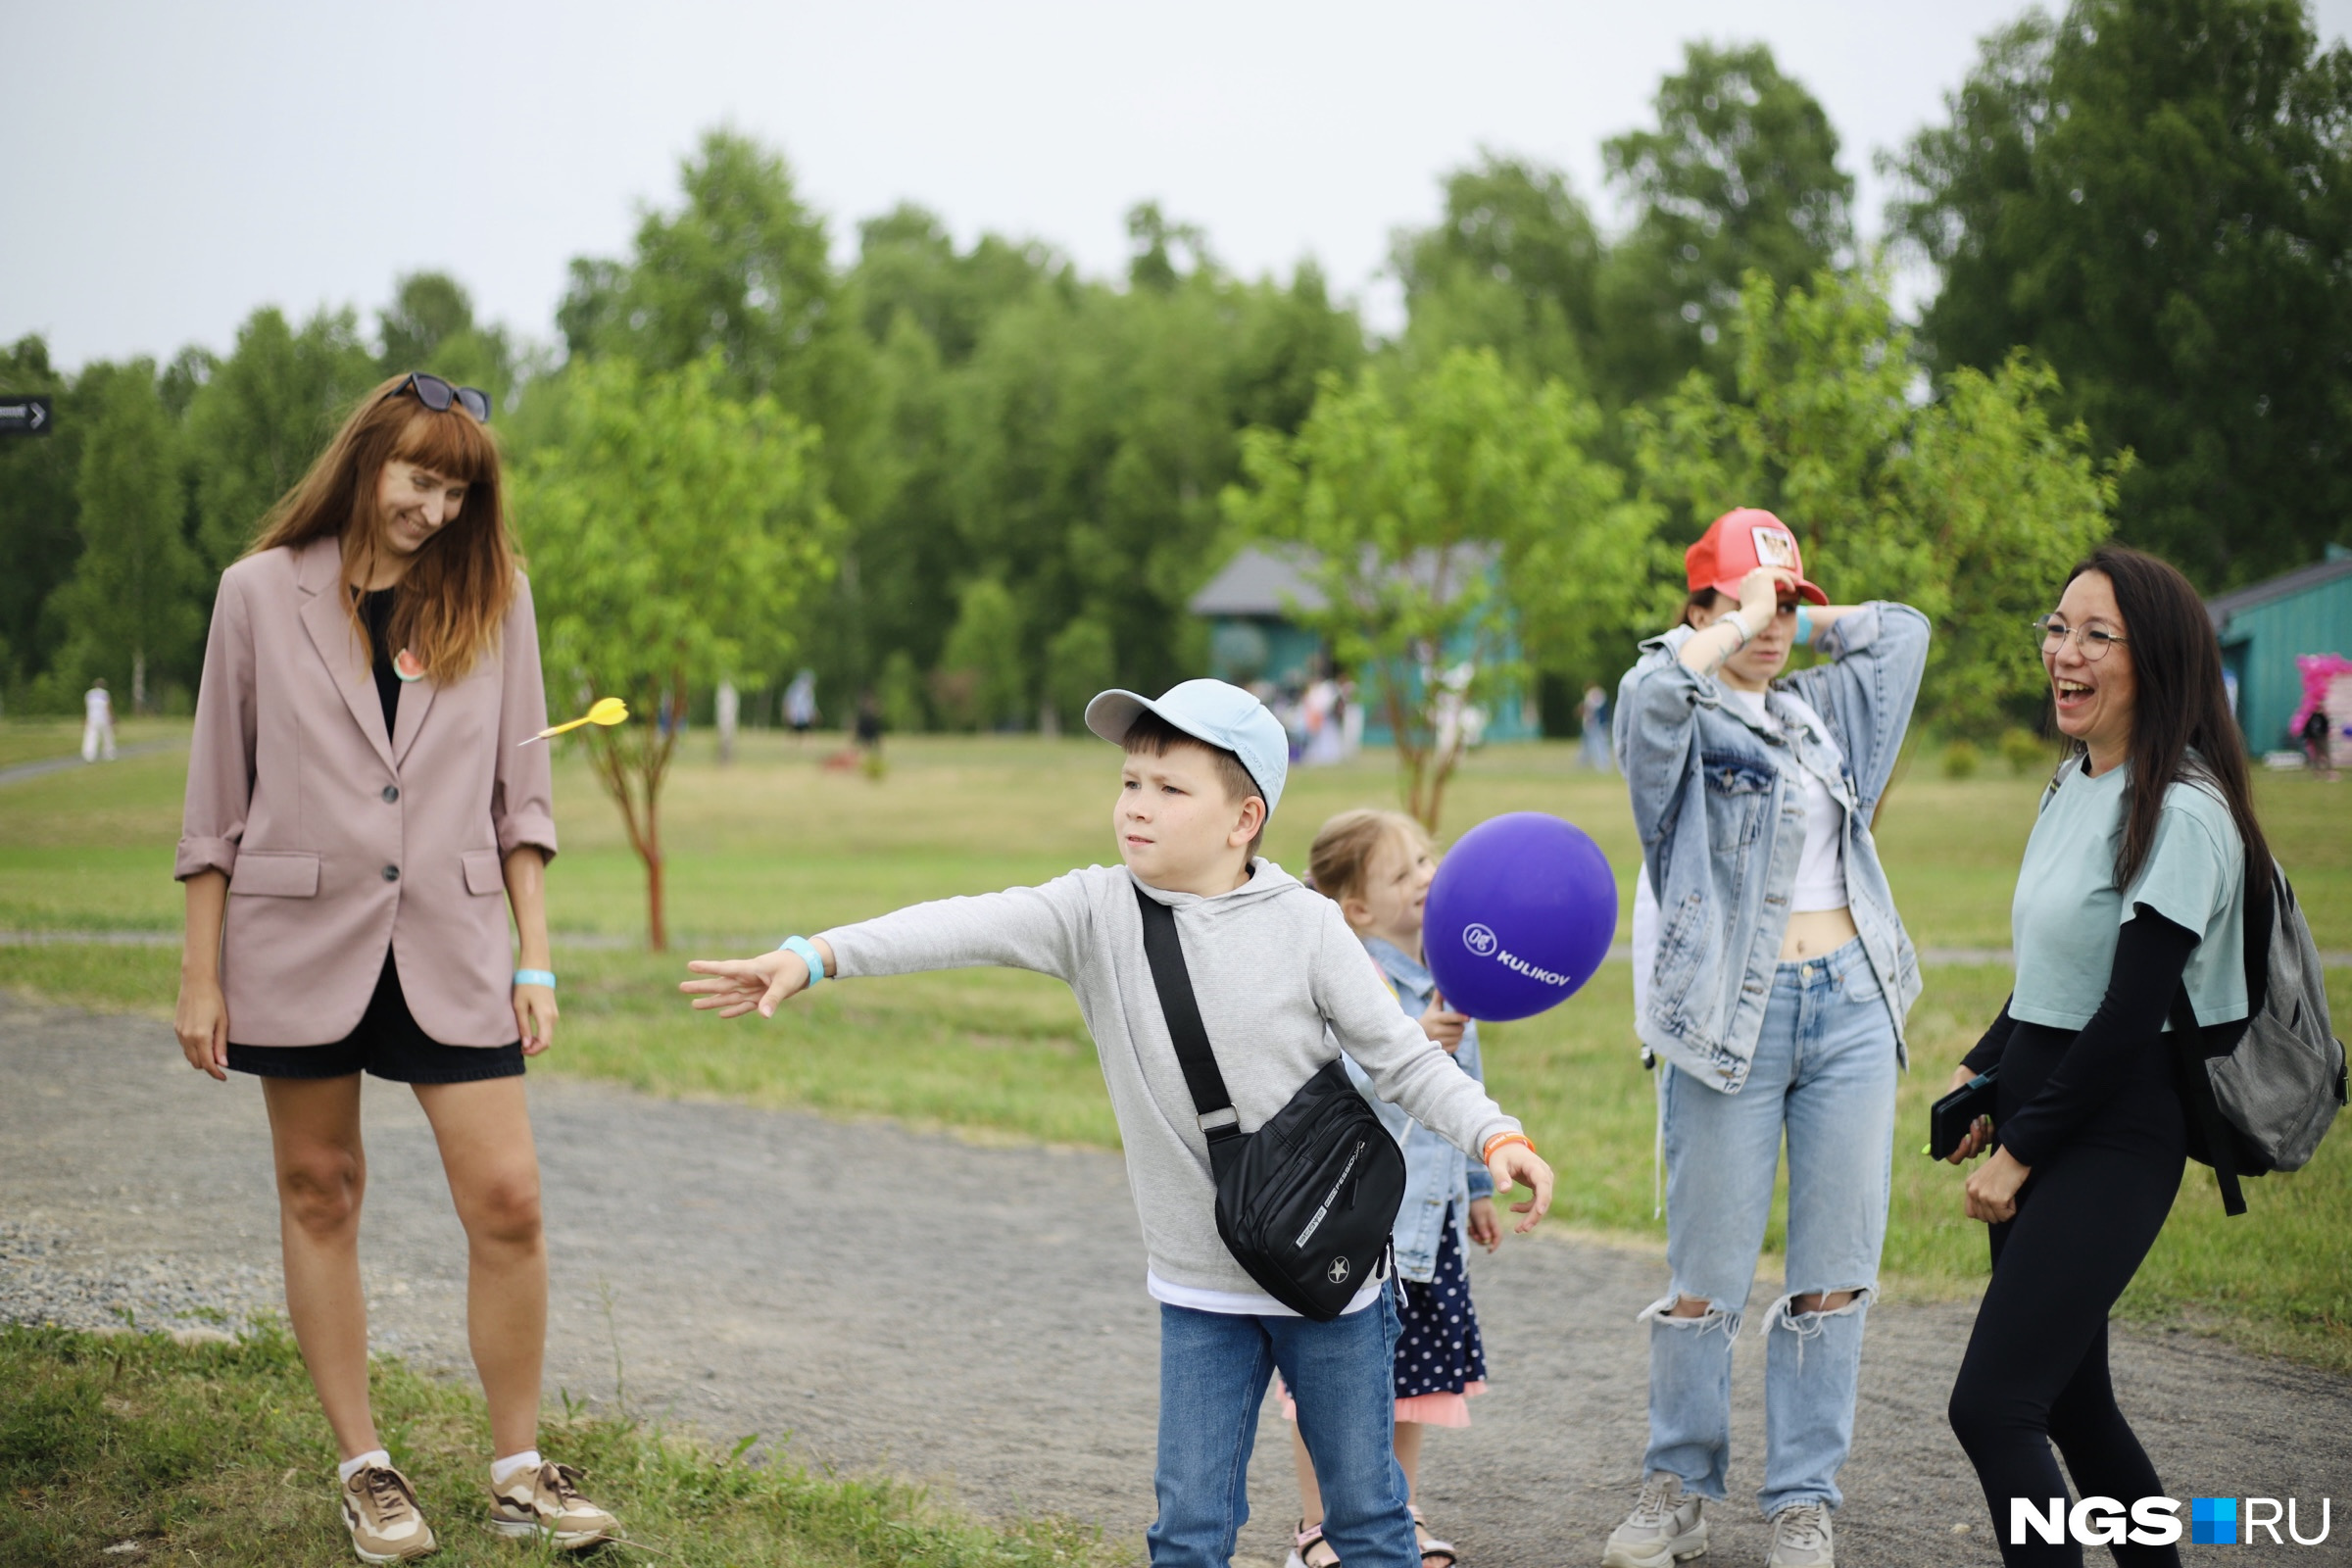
505, 1470
360, 1461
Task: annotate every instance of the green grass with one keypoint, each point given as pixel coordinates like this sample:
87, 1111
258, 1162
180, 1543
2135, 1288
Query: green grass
217, 1453
34, 740
775, 845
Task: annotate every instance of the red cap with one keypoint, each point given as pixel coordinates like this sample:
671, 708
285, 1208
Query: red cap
1737, 544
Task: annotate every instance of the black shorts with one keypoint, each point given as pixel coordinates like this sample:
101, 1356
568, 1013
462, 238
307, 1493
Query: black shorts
387, 1044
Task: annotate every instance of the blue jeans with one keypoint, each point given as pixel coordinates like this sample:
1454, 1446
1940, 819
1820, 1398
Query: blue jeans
1824, 1074
1213, 1372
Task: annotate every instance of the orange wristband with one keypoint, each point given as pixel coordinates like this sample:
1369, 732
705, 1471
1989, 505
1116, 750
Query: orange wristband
1487, 1154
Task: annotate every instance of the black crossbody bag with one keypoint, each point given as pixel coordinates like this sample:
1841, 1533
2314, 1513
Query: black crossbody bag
1305, 1204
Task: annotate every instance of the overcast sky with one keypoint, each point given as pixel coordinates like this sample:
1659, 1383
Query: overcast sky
169, 167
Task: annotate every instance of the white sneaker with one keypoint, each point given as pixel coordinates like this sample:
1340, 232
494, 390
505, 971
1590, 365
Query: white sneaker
1665, 1528
1801, 1538
379, 1510
546, 1504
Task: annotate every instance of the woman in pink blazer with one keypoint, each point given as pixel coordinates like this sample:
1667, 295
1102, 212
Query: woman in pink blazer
357, 799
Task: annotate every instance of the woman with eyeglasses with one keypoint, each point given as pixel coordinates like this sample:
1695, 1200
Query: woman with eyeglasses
1773, 978
358, 798
2133, 887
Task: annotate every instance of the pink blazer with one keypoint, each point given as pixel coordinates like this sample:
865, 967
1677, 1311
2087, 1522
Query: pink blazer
338, 839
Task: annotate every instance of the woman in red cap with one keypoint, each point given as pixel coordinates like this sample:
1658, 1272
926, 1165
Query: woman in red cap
1771, 996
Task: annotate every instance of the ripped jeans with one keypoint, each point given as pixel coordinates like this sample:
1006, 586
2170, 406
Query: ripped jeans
1824, 1073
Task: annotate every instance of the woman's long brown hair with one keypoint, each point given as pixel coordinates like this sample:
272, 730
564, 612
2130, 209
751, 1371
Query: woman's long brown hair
458, 587
2181, 706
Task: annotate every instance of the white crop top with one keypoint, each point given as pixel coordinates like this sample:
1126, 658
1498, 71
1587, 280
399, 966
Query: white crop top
1820, 870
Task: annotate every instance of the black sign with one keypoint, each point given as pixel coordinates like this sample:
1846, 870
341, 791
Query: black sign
26, 415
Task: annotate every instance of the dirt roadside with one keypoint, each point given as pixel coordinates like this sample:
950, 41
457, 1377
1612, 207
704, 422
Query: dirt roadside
975, 1316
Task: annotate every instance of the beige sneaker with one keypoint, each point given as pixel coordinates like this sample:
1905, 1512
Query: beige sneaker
1664, 1528
547, 1502
379, 1510
1801, 1538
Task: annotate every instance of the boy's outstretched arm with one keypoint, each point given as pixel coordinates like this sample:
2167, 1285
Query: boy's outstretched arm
1040, 928
737, 986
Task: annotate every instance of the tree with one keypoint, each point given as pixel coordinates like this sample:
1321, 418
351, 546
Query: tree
1080, 661
1970, 507
982, 681
741, 270
674, 533
1428, 513
925, 305
429, 325
38, 536
1075, 457
907, 264
1740, 174
261, 416
2150, 196
131, 601
1513, 265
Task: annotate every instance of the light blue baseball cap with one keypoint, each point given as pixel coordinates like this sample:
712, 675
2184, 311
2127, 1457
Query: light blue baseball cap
1210, 710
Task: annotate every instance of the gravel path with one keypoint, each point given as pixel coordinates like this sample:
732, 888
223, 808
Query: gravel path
975, 1316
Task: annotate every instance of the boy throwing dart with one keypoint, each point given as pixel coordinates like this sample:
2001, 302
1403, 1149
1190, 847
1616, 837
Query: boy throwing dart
1278, 978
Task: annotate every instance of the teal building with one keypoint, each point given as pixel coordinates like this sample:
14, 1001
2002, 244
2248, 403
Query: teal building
1252, 638
2264, 627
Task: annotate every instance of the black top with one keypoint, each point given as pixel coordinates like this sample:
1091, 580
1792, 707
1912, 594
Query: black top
377, 610
2112, 1081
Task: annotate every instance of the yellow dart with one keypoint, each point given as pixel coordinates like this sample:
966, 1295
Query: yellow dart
607, 710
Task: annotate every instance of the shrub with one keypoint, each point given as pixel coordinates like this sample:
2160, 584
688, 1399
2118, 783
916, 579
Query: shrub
1961, 760
2024, 750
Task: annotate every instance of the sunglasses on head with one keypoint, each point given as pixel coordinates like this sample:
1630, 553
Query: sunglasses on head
438, 395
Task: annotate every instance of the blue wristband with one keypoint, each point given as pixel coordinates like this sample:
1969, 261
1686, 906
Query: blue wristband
805, 950
1804, 626
535, 977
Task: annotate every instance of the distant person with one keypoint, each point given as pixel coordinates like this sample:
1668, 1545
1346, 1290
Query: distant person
97, 723
357, 799
2318, 736
1774, 1004
1593, 753
726, 711
868, 731
800, 703
1282, 989
2133, 887
1323, 713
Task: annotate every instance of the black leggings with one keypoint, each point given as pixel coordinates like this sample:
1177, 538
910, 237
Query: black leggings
2036, 1372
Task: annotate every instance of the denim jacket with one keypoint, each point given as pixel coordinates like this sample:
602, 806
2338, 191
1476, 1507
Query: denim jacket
1722, 826
1435, 1173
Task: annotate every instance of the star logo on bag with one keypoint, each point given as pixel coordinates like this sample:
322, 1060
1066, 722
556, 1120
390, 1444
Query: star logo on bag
1338, 1272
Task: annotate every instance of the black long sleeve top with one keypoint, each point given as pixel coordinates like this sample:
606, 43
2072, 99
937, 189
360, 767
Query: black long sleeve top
2052, 1083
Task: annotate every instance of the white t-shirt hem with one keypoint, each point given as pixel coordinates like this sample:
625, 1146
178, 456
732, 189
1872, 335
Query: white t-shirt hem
1239, 1303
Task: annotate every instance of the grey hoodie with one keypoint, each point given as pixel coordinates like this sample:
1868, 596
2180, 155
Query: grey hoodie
1282, 984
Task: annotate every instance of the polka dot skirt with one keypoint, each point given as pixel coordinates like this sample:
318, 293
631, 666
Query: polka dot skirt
1440, 1350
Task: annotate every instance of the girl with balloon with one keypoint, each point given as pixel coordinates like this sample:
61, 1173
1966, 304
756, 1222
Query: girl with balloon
361, 791
1777, 978
1378, 867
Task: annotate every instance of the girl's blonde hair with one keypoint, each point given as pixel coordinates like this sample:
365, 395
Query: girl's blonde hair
456, 593
1342, 851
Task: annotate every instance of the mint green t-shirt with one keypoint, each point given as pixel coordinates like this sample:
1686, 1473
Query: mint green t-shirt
2068, 910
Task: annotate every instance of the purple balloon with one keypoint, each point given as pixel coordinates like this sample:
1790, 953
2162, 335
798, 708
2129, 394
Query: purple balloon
1521, 913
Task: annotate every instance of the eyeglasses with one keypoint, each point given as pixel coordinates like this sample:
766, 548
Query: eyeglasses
438, 395
2095, 640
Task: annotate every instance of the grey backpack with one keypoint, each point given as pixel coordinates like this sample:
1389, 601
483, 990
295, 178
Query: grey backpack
2262, 1092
